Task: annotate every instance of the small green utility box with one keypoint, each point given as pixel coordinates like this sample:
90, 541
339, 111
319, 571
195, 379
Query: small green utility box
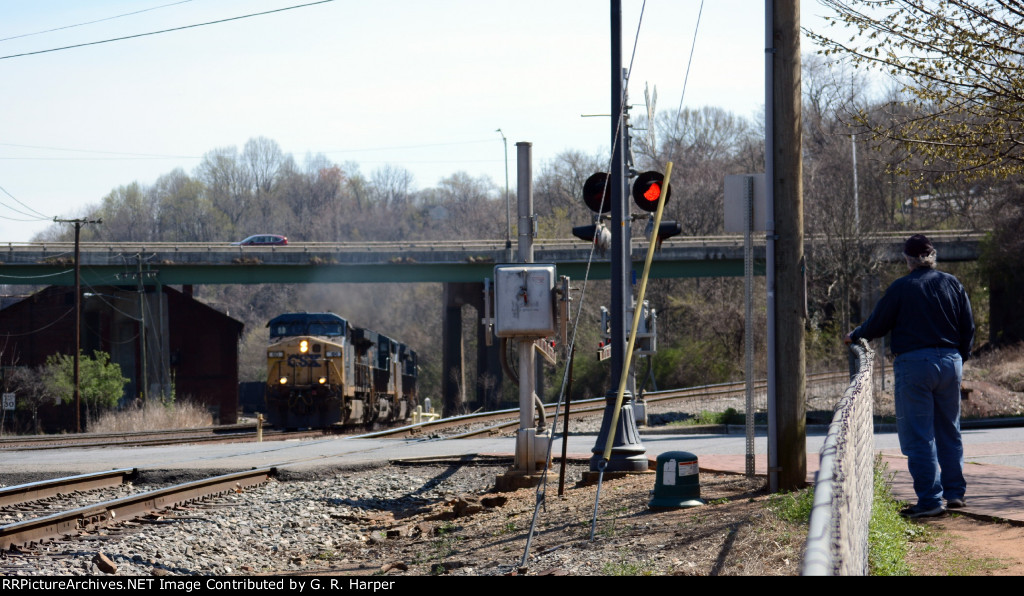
677, 482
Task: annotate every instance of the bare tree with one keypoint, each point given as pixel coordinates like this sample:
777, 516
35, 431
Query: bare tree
184, 212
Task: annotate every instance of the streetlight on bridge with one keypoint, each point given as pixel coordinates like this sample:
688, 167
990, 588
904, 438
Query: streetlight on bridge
508, 208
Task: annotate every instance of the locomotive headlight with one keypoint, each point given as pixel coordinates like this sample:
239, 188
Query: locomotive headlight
322, 380
303, 346
283, 380
334, 354
275, 354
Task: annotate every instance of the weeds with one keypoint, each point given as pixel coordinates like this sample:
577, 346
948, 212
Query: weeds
153, 415
889, 534
794, 507
441, 547
508, 528
626, 567
729, 416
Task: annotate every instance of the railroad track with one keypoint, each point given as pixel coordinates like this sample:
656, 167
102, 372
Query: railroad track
494, 423
73, 522
217, 434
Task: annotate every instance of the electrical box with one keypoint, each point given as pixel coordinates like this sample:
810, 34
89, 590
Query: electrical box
647, 331
524, 303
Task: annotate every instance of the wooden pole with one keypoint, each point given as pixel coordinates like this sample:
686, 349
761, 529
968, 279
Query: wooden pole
790, 304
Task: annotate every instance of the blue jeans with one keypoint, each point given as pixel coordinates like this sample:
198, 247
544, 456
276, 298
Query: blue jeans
928, 422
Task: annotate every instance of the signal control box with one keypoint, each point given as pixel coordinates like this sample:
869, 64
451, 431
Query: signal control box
524, 304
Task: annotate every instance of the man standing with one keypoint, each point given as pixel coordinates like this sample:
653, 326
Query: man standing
929, 315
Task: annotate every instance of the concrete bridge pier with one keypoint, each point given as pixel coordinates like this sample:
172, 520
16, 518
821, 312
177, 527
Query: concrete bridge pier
489, 378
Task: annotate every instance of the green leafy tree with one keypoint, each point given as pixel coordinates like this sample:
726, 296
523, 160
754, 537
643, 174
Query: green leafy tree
101, 383
959, 66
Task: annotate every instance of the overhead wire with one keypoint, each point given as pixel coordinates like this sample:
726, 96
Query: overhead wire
693, 46
182, 28
37, 217
46, 326
127, 14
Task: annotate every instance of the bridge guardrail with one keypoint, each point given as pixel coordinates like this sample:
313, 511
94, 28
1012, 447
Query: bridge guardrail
424, 245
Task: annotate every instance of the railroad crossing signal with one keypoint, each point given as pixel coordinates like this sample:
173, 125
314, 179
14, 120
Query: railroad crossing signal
596, 192
667, 229
647, 190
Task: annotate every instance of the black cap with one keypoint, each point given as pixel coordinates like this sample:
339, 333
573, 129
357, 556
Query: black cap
918, 245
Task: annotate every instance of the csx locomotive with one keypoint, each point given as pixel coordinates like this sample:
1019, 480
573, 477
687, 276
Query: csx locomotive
323, 372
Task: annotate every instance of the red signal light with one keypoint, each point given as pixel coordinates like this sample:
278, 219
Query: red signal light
647, 191
653, 192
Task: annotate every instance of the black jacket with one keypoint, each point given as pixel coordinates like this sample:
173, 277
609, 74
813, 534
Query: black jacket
923, 309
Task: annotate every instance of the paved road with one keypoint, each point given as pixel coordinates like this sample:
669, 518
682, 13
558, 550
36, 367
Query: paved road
995, 470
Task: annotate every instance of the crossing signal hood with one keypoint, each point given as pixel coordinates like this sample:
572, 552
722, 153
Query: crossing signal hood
668, 229
597, 233
597, 192
647, 190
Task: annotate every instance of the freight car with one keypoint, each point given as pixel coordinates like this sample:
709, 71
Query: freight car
323, 372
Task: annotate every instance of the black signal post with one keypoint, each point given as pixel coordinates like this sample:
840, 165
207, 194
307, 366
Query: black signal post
627, 453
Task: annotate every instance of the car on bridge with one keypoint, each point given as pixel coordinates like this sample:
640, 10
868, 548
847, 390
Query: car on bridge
262, 240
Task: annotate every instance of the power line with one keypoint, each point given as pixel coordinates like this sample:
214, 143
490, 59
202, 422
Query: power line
690, 61
37, 217
127, 14
93, 43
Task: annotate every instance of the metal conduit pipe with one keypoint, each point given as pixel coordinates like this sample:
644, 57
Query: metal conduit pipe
512, 376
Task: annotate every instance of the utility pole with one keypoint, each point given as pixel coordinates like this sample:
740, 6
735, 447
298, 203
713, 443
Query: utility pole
78, 314
787, 467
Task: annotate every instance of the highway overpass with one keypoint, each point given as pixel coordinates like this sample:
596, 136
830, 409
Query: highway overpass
52, 263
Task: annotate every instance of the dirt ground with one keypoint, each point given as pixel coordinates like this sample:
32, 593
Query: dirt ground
732, 534
736, 532
963, 546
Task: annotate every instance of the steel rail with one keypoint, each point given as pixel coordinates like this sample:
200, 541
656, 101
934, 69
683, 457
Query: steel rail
227, 428
44, 489
76, 521
586, 407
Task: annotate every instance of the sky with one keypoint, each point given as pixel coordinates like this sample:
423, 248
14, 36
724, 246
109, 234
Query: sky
424, 85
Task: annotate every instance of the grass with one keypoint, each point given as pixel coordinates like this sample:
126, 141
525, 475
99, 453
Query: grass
153, 415
440, 548
794, 507
729, 416
626, 567
889, 534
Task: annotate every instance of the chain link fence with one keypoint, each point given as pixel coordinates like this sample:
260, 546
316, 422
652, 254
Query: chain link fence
837, 540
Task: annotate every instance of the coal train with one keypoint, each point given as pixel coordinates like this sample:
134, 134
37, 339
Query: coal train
323, 372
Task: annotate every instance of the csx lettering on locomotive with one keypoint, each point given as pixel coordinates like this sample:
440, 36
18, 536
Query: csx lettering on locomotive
303, 360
